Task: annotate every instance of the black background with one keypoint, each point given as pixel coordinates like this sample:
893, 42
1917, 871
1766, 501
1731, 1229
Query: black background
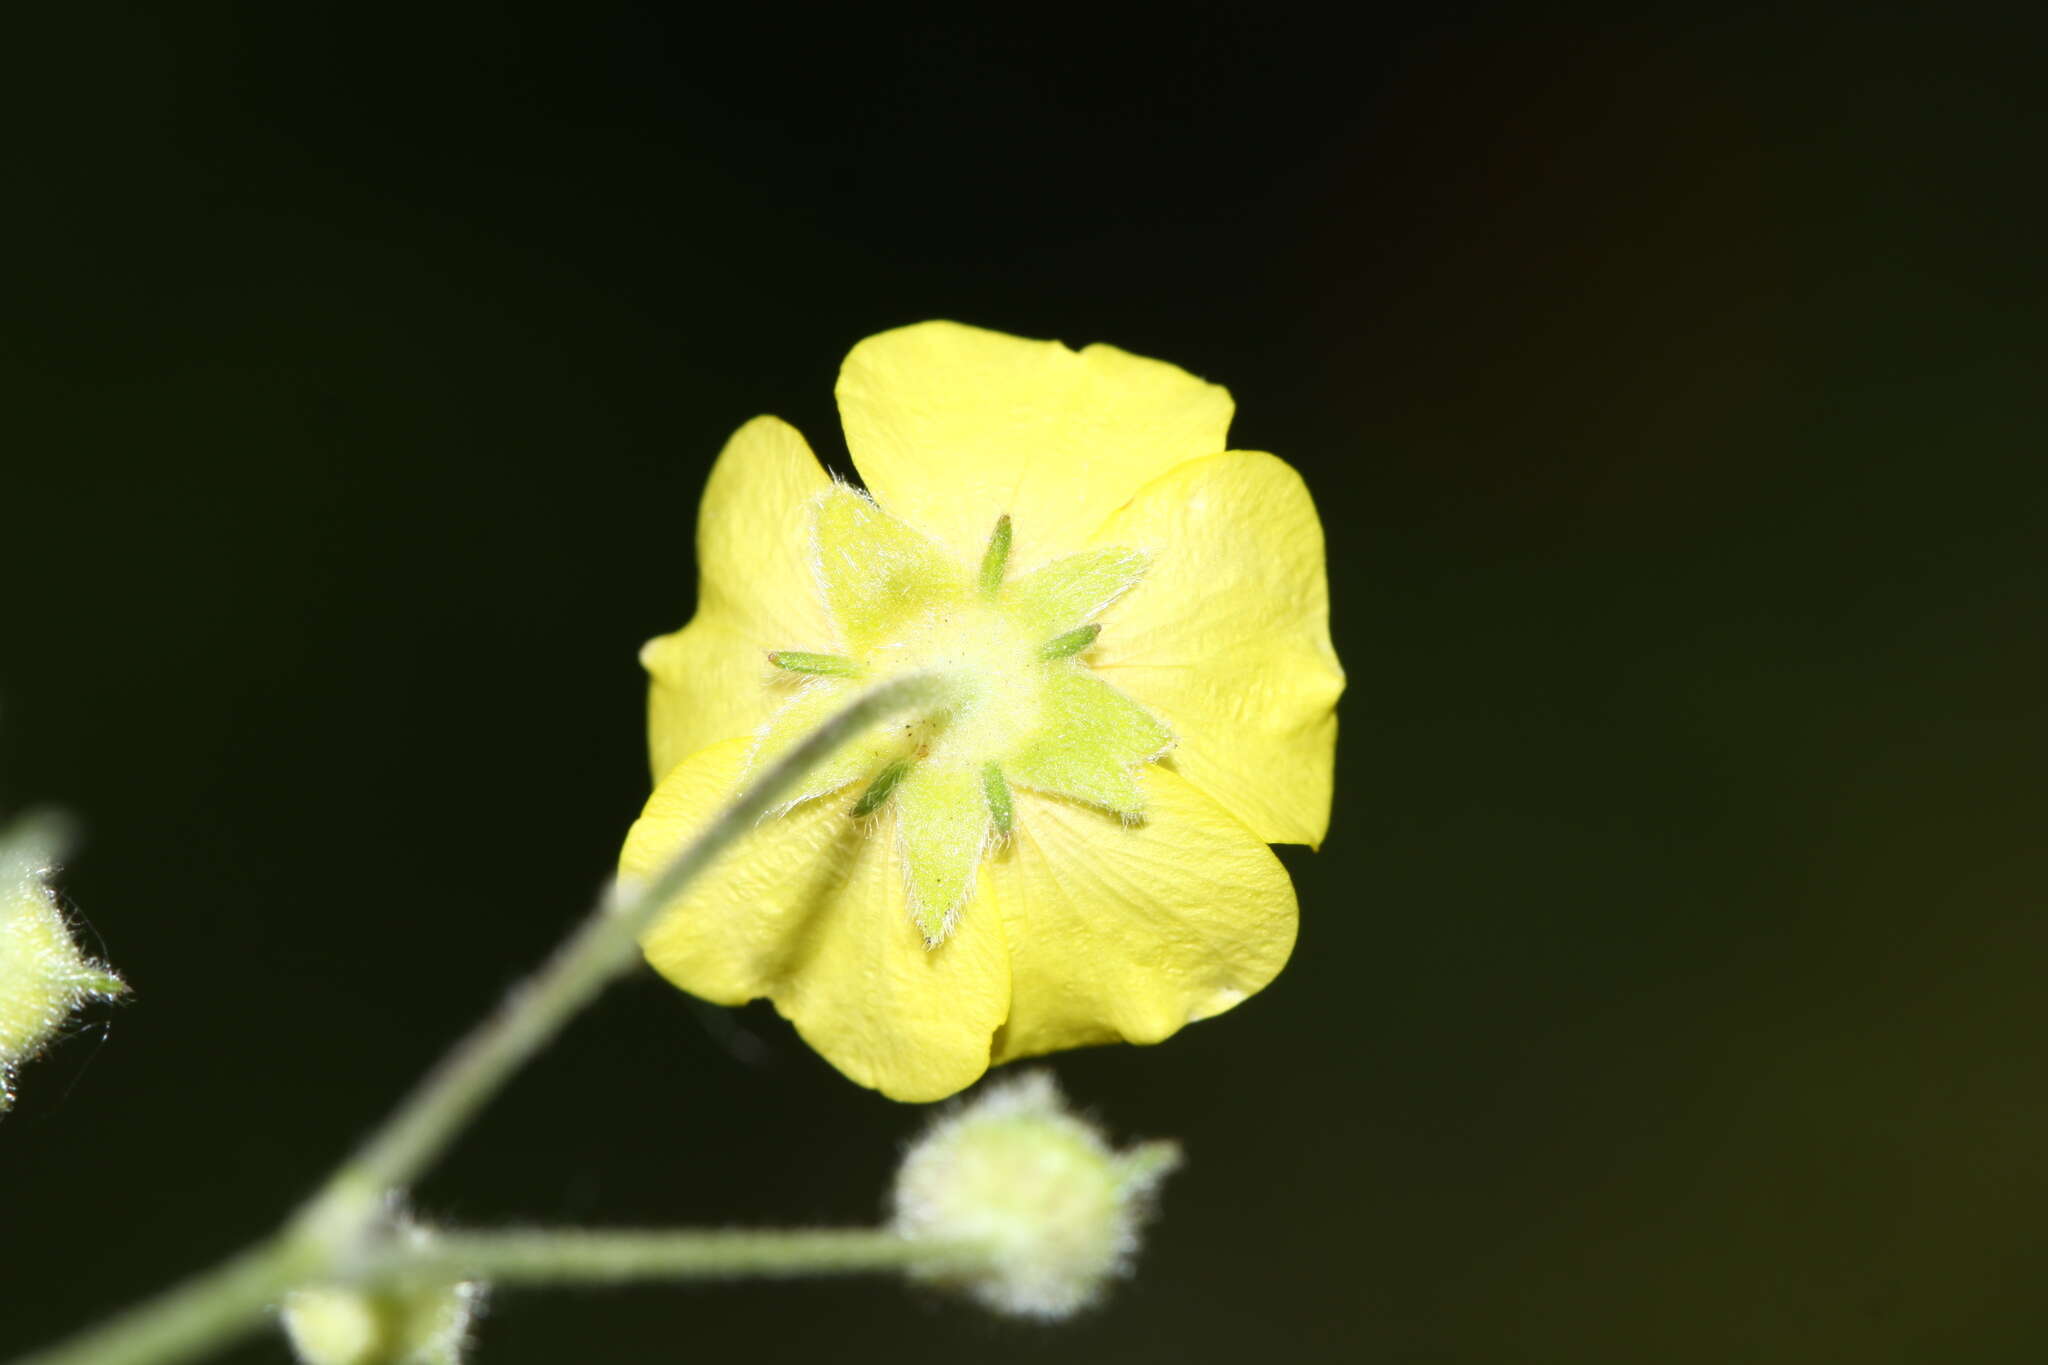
1670, 986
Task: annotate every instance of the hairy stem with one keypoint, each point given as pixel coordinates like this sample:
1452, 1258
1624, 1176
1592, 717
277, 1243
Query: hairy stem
604, 947
574, 1257
208, 1312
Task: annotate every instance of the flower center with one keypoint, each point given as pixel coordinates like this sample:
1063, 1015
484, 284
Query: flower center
994, 685
1022, 707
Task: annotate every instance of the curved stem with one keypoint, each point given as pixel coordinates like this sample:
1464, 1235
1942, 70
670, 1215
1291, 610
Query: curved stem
606, 945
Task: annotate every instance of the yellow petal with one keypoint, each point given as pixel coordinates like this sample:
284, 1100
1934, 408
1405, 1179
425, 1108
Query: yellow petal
1227, 638
952, 426
1130, 931
810, 910
755, 593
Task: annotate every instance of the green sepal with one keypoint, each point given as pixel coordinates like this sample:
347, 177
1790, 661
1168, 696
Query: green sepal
1093, 740
1072, 643
824, 665
943, 826
815, 703
996, 558
877, 574
1070, 591
997, 791
879, 789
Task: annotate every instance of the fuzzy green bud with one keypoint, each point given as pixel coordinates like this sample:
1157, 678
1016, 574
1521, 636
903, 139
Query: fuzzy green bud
43, 976
1018, 1178
398, 1324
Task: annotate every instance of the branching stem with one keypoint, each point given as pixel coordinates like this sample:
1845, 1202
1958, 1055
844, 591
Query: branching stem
340, 1226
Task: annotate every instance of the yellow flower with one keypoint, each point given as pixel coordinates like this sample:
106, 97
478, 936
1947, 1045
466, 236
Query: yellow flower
1131, 623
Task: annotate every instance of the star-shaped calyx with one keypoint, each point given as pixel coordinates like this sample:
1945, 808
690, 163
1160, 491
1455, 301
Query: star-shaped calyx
1022, 707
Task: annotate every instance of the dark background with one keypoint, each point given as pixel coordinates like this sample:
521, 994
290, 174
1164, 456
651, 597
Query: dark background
1669, 989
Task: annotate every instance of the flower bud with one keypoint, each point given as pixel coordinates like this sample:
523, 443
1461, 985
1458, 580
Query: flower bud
399, 1324
1048, 1212
43, 976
